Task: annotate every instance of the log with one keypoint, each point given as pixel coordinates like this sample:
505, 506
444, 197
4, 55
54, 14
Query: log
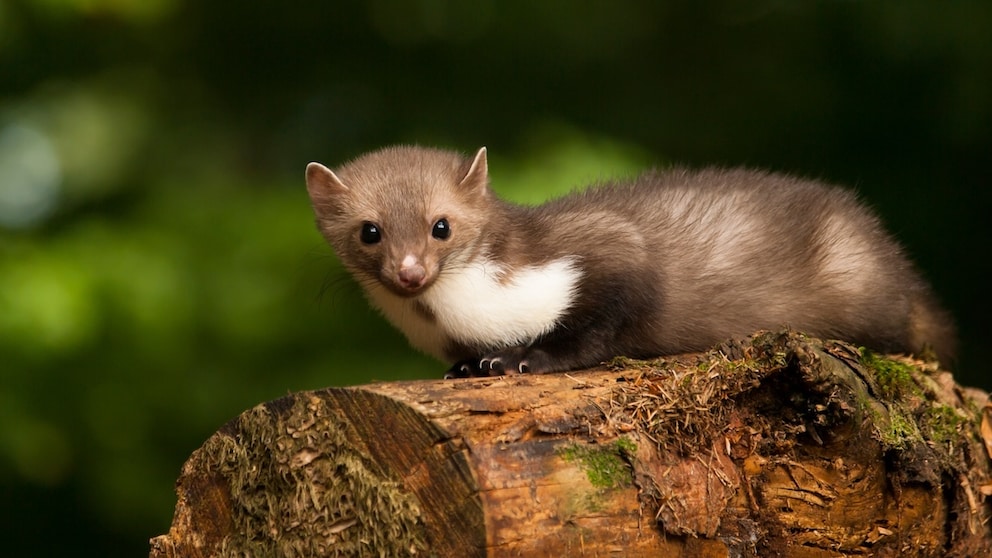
779, 445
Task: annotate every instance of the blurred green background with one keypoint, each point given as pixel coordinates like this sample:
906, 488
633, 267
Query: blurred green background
159, 267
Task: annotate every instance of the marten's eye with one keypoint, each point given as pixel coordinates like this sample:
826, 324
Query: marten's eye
442, 230
370, 233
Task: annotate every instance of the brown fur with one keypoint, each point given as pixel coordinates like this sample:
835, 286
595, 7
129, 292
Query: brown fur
671, 261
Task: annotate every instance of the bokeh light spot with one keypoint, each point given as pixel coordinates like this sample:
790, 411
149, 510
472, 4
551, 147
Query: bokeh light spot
30, 177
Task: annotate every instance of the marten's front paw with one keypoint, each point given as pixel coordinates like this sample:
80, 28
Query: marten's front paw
507, 361
488, 366
501, 366
515, 360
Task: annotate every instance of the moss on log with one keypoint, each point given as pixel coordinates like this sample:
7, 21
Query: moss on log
780, 445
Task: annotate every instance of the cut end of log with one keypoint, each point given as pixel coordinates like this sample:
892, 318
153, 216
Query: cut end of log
319, 474
781, 445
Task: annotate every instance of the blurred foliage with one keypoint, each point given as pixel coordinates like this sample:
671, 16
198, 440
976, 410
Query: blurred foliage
159, 268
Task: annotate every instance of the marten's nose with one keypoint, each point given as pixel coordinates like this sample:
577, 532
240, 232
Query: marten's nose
411, 274
412, 277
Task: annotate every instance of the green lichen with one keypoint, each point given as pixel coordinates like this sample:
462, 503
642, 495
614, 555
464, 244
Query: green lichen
895, 379
900, 431
911, 420
942, 423
606, 466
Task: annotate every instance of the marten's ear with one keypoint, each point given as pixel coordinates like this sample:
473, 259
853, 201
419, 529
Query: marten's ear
323, 185
321, 178
477, 177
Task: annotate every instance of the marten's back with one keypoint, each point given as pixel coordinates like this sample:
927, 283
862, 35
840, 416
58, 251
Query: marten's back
735, 250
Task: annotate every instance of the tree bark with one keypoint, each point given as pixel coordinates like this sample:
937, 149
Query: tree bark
780, 445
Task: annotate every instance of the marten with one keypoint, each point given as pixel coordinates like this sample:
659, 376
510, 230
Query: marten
668, 262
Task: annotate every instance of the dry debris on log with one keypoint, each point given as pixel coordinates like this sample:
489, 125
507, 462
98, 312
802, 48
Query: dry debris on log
780, 445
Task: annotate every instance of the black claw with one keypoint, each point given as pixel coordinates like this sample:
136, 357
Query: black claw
462, 369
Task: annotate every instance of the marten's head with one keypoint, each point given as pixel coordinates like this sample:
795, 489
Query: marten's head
402, 215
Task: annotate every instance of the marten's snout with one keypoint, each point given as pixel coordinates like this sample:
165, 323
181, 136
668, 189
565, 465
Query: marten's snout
411, 275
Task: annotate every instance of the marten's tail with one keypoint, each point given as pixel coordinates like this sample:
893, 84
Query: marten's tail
932, 331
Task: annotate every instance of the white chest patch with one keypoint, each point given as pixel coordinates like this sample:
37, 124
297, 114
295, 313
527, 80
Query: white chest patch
483, 304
